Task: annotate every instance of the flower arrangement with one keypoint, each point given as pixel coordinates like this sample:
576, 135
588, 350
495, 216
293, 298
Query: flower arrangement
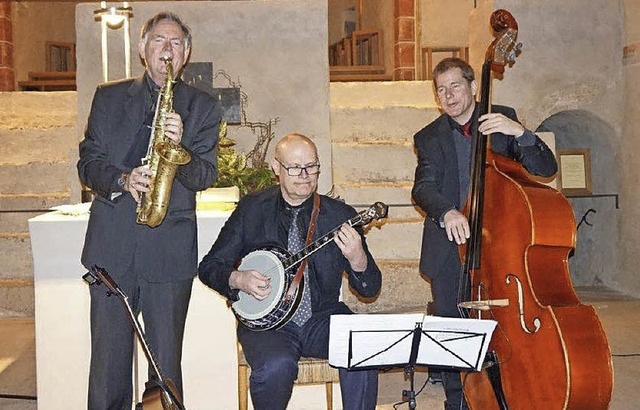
249, 172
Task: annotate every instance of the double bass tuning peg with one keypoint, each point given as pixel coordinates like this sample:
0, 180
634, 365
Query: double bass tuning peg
515, 52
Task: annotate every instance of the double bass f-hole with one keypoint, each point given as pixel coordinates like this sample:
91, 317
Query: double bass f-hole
523, 324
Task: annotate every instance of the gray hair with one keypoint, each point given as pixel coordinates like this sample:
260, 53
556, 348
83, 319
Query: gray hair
166, 15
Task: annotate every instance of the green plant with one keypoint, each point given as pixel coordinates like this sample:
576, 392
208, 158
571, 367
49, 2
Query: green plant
234, 169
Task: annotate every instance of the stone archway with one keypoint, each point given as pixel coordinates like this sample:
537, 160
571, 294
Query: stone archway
595, 259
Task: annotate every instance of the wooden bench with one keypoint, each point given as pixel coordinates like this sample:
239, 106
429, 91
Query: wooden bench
358, 58
358, 73
49, 81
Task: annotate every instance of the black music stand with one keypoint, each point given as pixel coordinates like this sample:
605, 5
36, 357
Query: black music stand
374, 341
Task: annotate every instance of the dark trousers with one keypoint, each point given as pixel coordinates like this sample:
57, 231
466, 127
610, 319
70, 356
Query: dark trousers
445, 299
164, 310
273, 356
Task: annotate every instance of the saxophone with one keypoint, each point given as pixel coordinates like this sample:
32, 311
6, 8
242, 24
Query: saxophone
163, 158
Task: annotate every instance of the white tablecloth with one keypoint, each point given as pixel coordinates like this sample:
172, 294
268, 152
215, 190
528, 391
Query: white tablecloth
62, 321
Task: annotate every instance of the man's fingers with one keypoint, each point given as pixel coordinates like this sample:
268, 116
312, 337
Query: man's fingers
458, 233
262, 291
460, 238
450, 234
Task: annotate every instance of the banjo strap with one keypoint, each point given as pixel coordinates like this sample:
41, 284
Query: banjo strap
310, 232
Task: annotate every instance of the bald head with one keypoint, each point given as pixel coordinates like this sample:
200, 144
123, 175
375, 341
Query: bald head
297, 167
292, 142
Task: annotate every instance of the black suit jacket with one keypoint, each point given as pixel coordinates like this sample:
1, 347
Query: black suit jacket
253, 224
168, 252
436, 186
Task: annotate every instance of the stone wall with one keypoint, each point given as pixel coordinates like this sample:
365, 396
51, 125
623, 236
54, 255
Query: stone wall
38, 136
444, 23
627, 158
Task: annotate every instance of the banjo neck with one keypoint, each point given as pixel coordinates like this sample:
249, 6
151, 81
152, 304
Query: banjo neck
375, 211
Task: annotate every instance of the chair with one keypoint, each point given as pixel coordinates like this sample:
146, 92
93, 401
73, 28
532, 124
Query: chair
310, 371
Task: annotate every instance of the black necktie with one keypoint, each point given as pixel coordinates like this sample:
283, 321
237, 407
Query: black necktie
140, 143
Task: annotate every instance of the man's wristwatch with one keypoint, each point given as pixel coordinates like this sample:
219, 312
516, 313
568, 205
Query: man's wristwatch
122, 181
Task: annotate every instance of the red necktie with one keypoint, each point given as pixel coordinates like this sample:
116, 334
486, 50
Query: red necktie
466, 129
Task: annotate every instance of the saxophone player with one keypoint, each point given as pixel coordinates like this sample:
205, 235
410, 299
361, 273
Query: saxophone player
155, 267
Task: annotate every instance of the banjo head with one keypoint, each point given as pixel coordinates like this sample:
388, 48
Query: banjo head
270, 265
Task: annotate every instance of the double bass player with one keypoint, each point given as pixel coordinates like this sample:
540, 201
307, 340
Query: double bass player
442, 176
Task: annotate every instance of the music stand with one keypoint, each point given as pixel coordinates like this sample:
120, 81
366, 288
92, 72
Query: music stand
372, 341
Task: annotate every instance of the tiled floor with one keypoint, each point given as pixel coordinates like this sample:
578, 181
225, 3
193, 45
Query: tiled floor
620, 317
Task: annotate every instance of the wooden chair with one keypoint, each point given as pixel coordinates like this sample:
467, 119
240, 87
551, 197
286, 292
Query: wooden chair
310, 371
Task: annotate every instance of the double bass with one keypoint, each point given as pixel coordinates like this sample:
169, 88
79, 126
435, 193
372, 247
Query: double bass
549, 351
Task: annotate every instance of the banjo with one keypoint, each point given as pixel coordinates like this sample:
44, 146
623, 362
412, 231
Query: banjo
281, 266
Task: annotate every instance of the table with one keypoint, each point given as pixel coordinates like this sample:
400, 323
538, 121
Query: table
62, 321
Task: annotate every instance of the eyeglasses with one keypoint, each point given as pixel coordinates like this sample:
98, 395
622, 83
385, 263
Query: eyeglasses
297, 171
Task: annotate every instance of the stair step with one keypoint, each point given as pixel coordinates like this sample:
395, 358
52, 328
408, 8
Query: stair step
16, 298
378, 124
16, 210
35, 178
51, 145
44, 200
397, 195
383, 94
43, 110
395, 239
402, 285
381, 163
372, 128
15, 259
16, 222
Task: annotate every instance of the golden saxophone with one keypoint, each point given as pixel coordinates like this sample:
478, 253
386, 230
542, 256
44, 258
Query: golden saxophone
163, 158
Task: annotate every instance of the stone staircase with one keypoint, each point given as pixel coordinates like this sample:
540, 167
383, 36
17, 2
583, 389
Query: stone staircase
372, 128
372, 125
37, 135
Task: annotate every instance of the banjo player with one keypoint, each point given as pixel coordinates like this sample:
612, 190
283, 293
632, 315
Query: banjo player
265, 218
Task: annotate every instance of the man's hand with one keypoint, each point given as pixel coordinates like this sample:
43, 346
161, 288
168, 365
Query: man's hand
494, 122
138, 182
350, 244
251, 282
173, 127
456, 226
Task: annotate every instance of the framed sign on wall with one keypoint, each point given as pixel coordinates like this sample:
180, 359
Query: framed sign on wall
574, 171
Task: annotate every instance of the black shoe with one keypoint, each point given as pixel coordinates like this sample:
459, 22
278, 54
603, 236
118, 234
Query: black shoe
435, 376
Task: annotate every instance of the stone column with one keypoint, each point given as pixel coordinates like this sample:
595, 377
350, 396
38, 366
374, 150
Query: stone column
404, 47
7, 77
